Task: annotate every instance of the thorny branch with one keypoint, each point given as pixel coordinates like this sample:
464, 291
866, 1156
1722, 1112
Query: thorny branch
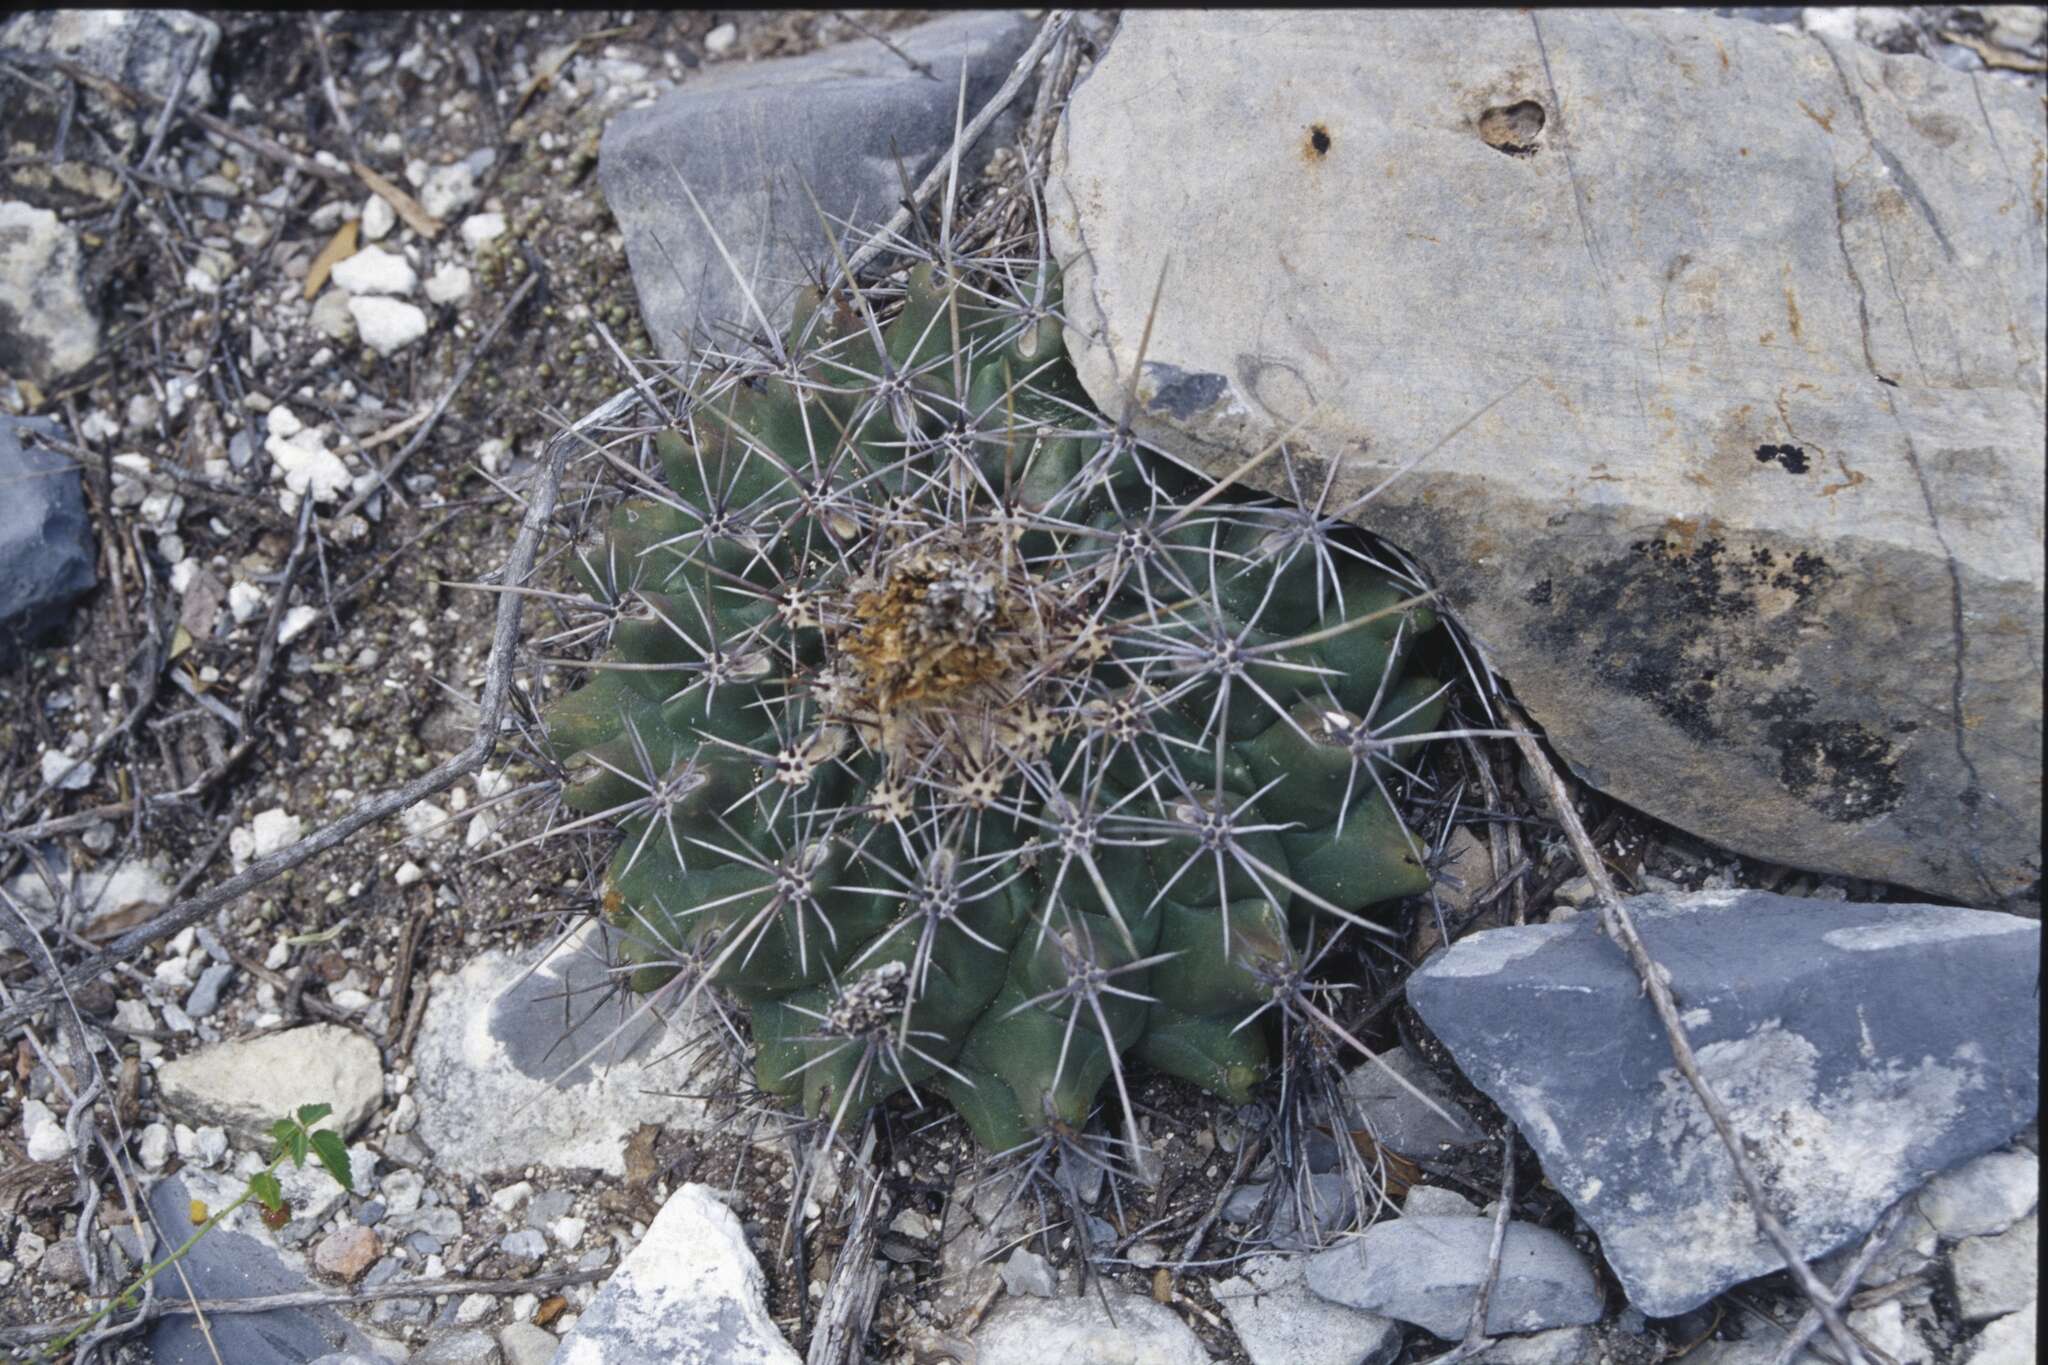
1615, 921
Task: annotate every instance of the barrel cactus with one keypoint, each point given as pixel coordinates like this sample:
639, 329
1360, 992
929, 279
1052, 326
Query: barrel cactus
974, 748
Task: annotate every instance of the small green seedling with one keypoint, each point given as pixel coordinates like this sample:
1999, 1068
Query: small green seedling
295, 1138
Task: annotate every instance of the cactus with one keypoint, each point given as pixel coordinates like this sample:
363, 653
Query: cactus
970, 745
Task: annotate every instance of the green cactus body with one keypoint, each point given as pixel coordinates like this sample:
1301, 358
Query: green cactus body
969, 747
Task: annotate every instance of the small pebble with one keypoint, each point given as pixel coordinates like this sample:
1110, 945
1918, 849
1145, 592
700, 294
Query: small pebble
346, 1253
378, 218
387, 326
373, 270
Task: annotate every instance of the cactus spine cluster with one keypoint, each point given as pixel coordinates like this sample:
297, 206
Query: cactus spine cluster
972, 747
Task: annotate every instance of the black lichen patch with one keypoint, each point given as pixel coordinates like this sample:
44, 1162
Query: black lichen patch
1318, 140
1791, 458
1844, 770
1698, 628
1181, 394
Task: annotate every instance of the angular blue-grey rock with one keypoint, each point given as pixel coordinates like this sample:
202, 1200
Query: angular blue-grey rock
748, 137
1396, 1118
1428, 1271
691, 1290
232, 1265
1327, 1198
46, 546
565, 1066
1860, 1049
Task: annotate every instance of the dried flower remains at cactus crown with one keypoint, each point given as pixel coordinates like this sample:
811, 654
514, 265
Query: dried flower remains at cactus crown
974, 748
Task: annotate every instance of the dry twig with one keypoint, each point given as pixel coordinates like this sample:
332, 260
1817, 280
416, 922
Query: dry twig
1615, 921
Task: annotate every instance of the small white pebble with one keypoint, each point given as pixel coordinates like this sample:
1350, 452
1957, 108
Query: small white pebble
64, 773
378, 218
721, 38
479, 228
297, 622
387, 325
373, 270
245, 600
449, 284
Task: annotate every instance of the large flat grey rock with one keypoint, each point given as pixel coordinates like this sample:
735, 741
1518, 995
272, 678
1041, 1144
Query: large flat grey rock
748, 138
1754, 523
1859, 1049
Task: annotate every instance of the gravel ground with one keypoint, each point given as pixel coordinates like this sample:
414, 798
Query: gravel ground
244, 674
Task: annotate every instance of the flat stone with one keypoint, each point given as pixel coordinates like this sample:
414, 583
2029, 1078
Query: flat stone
691, 1290
460, 1348
525, 1344
233, 1261
1998, 1275
345, 1253
1084, 1331
498, 1039
247, 1085
1984, 1196
48, 330
1279, 1322
1026, 1272
1752, 353
1428, 1271
748, 137
1396, 1118
2011, 1340
1558, 1346
1859, 1049
142, 48
46, 544
104, 897
1433, 1201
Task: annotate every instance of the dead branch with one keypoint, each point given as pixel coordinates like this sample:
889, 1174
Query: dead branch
856, 1283
320, 1298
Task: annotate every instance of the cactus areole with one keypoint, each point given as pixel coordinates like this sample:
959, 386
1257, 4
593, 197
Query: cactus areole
973, 748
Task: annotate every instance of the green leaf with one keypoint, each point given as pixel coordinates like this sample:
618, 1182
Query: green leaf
266, 1189
310, 1114
333, 1154
282, 1133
